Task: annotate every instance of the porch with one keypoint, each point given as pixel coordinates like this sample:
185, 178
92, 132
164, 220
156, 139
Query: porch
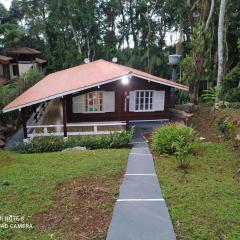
48, 120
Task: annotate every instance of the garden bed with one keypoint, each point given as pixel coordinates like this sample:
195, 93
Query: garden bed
56, 143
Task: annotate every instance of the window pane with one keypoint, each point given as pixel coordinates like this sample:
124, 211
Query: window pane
94, 102
146, 104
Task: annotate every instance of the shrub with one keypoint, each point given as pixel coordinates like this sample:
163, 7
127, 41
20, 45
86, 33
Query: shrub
55, 144
226, 127
232, 95
183, 149
169, 138
209, 95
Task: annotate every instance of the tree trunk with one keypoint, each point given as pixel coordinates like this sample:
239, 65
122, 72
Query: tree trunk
220, 43
75, 36
193, 92
210, 15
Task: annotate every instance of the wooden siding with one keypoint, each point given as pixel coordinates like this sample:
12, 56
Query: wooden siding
120, 114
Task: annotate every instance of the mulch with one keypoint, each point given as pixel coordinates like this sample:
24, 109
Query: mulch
82, 208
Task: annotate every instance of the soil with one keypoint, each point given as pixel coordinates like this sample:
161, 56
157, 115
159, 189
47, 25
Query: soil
206, 120
82, 208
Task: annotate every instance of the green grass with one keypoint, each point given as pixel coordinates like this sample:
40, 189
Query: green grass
204, 202
28, 181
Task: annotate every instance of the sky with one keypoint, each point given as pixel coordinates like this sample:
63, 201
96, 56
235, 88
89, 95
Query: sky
6, 3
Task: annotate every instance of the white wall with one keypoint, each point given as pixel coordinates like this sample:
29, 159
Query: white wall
23, 67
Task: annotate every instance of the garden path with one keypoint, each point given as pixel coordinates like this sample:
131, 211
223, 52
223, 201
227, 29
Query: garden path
140, 212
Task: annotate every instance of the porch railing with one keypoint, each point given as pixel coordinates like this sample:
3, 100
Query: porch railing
74, 129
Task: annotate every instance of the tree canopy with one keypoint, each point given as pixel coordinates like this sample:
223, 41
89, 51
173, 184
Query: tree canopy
137, 32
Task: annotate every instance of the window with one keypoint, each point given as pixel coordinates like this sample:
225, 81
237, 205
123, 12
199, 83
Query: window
144, 101
93, 102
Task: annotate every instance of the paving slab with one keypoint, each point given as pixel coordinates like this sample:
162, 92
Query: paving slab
141, 221
140, 150
139, 144
140, 164
140, 187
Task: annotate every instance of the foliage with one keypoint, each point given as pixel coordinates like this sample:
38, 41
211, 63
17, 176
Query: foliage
226, 126
232, 95
197, 63
33, 180
55, 144
209, 95
198, 189
169, 138
9, 92
30, 77
182, 97
182, 150
232, 78
235, 105
137, 32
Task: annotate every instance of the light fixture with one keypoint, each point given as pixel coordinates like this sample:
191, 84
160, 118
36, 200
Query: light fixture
114, 60
86, 60
125, 80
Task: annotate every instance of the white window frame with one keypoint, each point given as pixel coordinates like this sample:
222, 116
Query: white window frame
144, 99
84, 102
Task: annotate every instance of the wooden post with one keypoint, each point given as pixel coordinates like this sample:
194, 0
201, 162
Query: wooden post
127, 125
64, 117
127, 109
24, 123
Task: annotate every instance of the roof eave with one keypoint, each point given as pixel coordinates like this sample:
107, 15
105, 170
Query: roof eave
129, 74
170, 84
5, 110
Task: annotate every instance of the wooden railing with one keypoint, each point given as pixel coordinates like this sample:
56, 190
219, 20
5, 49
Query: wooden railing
94, 128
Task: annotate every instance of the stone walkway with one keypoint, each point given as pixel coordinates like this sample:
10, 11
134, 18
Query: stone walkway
140, 213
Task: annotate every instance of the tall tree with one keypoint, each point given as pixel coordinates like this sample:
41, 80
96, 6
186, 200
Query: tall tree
220, 44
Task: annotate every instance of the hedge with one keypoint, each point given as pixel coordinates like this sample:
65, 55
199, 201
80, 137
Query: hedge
55, 144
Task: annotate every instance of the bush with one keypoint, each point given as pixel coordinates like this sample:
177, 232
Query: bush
183, 149
55, 144
167, 138
235, 105
232, 95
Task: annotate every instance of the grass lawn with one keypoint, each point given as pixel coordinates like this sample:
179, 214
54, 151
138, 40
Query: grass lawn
204, 202
44, 186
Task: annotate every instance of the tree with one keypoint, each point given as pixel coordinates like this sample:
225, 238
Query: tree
220, 44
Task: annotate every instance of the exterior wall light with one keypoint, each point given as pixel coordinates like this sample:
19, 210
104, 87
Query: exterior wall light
125, 80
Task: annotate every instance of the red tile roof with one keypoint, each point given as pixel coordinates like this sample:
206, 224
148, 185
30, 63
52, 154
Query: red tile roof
79, 78
5, 59
25, 50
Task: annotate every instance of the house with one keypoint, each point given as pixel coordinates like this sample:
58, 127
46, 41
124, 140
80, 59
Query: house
95, 95
19, 61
